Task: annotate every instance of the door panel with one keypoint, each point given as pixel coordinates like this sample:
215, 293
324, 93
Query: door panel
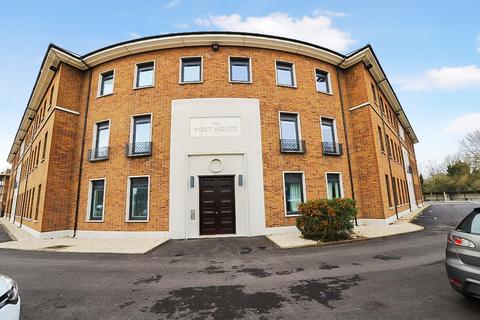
217, 205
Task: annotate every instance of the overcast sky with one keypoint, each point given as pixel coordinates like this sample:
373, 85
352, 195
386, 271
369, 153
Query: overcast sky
430, 50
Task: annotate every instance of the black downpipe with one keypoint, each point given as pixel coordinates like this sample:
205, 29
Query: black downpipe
75, 225
347, 148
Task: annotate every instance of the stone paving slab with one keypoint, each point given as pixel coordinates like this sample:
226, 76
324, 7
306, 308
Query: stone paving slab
25, 241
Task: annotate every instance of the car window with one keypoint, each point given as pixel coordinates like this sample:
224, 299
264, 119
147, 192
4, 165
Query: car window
471, 223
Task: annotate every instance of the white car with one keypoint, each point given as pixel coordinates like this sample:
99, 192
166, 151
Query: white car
9, 299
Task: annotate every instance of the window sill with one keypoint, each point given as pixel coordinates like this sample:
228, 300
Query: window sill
94, 221
104, 95
136, 221
98, 160
191, 82
293, 215
144, 87
327, 93
240, 82
138, 155
286, 86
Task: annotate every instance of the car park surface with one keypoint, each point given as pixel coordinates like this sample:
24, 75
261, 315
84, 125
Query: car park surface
400, 277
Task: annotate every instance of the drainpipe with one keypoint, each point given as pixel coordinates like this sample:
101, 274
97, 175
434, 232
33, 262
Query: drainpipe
347, 148
80, 170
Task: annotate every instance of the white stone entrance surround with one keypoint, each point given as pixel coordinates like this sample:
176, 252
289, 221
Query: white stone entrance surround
203, 130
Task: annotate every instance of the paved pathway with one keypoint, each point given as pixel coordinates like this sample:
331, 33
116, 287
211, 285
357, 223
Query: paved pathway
401, 277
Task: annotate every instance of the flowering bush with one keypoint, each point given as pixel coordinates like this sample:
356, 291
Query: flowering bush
327, 219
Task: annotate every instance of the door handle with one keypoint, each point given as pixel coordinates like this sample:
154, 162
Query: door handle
216, 212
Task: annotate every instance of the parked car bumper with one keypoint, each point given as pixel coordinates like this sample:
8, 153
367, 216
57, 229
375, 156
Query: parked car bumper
464, 278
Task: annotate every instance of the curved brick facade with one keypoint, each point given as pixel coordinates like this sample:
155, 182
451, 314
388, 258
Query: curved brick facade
66, 131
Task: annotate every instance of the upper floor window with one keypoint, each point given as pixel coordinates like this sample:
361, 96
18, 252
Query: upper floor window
374, 92
285, 74
51, 97
334, 186
401, 131
101, 141
145, 74
294, 192
290, 133
106, 83
322, 79
141, 140
240, 70
380, 136
191, 70
329, 137
45, 146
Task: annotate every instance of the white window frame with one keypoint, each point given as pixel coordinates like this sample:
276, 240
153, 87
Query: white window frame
181, 70
132, 123
89, 199
299, 124
95, 128
294, 74
304, 190
127, 207
249, 69
334, 128
100, 80
329, 79
135, 75
342, 192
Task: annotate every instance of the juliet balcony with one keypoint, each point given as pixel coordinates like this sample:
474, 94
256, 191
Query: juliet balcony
138, 149
292, 146
98, 154
332, 149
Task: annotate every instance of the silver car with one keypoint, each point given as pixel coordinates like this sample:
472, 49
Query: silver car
463, 255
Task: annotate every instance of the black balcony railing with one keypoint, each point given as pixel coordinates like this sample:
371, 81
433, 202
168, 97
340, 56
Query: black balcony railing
138, 149
332, 149
292, 145
98, 154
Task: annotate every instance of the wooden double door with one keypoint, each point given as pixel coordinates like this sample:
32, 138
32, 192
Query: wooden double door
217, 205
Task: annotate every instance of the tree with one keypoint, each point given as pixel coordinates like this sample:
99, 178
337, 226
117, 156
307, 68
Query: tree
471, 147
458, 169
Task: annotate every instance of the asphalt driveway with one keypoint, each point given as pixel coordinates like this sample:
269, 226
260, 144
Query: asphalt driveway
401, 277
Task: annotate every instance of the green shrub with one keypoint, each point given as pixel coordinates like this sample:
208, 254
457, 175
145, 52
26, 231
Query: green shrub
326, 219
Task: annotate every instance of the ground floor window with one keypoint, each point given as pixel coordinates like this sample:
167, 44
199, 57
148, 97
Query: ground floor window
389, 196
334, 188
97, 192
138, 199
293, 192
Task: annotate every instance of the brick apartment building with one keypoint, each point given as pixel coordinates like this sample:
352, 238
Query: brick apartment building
200, 134
4, 179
